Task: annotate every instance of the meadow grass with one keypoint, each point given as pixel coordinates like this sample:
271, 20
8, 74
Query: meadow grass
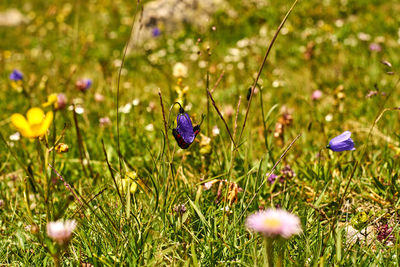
138, 199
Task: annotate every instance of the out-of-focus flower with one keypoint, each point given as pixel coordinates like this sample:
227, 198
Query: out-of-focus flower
79, 110
385, 234
181, 90
98, 97
135, 102
342, 142
61, 231
105, 121
287, 172
61, 101
16, 75
375, 47
316, 95
125, 109
149, 127
329, 117
51, 100
371, 94
228, 111
34, 125
61, 148
205, 145
180, 209
274, 223
215, 131
15, 136
83, 84
271, 179
156, 32
179, 70
151, 107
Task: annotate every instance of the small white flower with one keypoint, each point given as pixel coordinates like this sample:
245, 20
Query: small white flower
15, 137
329, 117
135, 102
125, 109
215, 130
79, 110
149, 127
179, 70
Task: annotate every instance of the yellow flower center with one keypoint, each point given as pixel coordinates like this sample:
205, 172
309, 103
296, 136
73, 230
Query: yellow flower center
272, 222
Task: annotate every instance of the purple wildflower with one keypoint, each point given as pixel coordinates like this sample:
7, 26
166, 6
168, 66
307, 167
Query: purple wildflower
374, 47
385, 233
16, 75
272, 178
287, 172
180, 209
342, 142
83, 84
156, 32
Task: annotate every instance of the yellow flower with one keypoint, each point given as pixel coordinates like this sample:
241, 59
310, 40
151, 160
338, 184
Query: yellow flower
34, 125
51, 100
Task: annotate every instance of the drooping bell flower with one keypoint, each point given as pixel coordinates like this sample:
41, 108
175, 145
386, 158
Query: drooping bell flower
342, 142
16, 75
185, 133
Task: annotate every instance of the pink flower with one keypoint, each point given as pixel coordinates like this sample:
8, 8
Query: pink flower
61, 101
274, 222
60, 231
105, 121
317, 94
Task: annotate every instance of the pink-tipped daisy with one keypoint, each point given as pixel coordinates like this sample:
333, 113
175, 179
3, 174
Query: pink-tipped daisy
274, 223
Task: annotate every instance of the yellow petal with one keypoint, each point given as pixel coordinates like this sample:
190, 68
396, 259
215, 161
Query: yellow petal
45, 124
19, 121
21, 124
35, 116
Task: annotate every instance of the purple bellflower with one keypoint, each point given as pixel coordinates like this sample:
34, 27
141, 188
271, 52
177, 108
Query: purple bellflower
16, 75
185, 133
156, 32
342, 142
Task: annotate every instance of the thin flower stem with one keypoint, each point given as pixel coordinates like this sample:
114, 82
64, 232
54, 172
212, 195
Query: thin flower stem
222, 117
66, 184
263, 64
165, 124
119, 80
218, 81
